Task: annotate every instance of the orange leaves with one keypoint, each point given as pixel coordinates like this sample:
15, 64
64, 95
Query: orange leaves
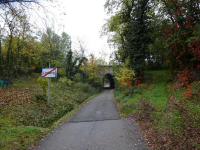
184, 78
16, 97
188, 93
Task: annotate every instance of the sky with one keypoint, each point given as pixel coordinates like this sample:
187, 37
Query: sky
82, 20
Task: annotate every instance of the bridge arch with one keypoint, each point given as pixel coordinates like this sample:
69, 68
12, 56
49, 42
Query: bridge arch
107, 76
108, 81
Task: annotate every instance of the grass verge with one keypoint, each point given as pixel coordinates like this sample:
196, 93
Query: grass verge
26, 117
168, 119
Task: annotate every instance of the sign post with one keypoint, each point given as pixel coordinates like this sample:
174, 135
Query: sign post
49, 91
49, 73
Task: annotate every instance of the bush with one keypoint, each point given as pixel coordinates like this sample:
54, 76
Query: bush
95, 82
43, 82
125, 77
184, 78
61, 73
63, 82
78, 77
193, 91
41, 98
196, 90
85, 87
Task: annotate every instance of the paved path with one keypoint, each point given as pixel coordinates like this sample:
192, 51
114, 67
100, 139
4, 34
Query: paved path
96, 127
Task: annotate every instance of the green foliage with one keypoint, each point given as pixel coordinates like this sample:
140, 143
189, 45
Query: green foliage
92, 70
84, 87
165, 108
43, 82
155, 34
22, 120
73, 64
25, 55
196, 91
19, 137
65, 82
156, 93
131, 32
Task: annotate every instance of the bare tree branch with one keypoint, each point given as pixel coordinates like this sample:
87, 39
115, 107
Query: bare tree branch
19, 1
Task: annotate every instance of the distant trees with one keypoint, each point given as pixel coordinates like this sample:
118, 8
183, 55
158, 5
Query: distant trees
22, 51
73, 64
92, 71
54, 48
25, 54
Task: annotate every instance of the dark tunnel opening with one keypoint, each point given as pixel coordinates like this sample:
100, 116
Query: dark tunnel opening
108, 81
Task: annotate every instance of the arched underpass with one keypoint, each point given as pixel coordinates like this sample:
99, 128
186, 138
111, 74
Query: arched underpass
108, 81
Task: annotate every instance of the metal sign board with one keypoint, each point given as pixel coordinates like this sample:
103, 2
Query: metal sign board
49, 72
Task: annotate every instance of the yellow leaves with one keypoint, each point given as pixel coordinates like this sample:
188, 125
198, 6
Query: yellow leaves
92, 70
125, 77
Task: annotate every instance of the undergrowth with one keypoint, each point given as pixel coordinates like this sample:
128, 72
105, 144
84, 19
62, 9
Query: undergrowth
168, 111
25, 114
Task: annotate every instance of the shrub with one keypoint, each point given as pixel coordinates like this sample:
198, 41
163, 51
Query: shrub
125, 77
41, 97
78, 77
188, 93
184, 78
81, 99
61, 73
85, 87
65, 82
43, 82
196, 90
193, 91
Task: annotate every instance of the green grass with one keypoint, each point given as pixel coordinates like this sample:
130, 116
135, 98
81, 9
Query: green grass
24, 122
21, 137
156, 91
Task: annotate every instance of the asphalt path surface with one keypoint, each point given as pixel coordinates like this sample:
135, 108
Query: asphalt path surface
97, 126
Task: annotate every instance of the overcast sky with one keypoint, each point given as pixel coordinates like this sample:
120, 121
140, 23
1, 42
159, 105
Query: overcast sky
82, 20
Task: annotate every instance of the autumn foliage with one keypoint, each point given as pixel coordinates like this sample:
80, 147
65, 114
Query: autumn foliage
184, 78
125, 77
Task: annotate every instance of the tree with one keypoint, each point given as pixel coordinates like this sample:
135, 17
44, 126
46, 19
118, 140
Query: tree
92, 71
156, 33
54, 48
138, 38
14, 29
131, 32
179, 34
73, 62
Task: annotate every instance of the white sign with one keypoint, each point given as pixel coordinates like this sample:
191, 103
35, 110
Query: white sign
49, 72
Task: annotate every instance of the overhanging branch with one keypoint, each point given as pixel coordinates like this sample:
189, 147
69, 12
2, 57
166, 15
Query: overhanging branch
18, 1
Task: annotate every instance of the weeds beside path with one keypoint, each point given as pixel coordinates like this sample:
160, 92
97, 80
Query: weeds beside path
167, 118
25, 116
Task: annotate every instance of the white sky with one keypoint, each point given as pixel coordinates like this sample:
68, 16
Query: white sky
82, 20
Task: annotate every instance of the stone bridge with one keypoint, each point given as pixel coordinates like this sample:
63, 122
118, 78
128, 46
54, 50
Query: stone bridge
107, 76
